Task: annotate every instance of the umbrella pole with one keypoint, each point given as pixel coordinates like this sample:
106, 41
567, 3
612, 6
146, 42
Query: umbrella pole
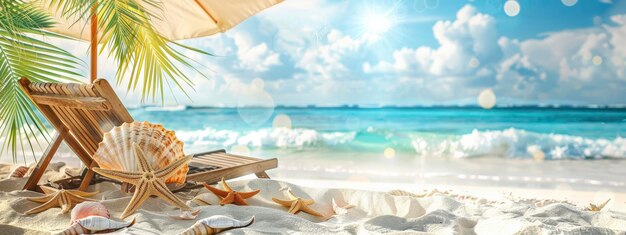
94, 44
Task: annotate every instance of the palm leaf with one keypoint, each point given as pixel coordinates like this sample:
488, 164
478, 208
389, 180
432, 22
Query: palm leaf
145, 59
23, 55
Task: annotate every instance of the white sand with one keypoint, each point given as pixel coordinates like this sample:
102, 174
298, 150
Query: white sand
461, 211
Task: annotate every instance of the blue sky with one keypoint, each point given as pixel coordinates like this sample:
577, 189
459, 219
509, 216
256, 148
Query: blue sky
414, 52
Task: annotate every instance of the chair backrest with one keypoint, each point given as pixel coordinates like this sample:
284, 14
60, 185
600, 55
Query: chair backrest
80, 113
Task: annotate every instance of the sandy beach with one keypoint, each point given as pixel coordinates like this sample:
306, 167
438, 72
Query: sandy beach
378, 208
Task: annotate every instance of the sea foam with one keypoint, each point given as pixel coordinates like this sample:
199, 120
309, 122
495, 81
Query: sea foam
520, 143
268, 137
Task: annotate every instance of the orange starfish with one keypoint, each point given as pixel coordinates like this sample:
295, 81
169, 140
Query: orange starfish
229, 196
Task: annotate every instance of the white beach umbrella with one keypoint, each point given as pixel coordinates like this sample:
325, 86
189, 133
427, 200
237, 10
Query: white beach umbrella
177, 19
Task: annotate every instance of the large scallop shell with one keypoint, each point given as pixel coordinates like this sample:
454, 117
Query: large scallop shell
160, 146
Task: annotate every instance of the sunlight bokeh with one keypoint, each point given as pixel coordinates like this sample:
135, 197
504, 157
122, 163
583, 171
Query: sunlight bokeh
254, 105
474, 63
487, 99
511, 8
281, 121
596, 60
389, 153
569, 3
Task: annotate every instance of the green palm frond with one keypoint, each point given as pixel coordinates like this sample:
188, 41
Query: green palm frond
23, 55
146, 60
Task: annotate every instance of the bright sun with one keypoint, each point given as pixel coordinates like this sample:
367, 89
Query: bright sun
375, 24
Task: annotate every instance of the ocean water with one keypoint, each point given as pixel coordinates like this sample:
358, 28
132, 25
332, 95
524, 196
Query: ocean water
456, 132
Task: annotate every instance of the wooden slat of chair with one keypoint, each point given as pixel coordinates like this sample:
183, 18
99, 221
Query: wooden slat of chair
78, 103
105, 90
88, 131
230, 157
258, 167
100, 117
83, 117
223, 162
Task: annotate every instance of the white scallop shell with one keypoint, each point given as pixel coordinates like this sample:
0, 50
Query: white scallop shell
160, 146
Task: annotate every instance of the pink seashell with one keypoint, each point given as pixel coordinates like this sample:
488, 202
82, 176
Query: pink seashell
19, 172
86, 209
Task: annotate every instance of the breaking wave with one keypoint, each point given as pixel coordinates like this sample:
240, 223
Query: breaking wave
522, 144
270, 137
512, 143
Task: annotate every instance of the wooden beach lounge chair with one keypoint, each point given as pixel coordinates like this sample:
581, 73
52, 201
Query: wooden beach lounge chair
82, 113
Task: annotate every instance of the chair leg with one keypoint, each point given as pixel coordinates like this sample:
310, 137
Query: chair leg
86, 180
262, 175
31, 183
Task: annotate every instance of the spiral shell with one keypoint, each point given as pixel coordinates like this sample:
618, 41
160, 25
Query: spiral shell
86, 209
19, 172
93, 224
216, 224
160, 146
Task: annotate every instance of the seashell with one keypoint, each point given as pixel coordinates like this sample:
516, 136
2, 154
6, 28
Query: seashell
19, 172
340, 210
93, 224
185, 215
206, 199
216, 224
405, 193
160, 146
86, 209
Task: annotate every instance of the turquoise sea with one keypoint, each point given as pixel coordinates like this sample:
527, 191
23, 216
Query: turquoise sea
549, 133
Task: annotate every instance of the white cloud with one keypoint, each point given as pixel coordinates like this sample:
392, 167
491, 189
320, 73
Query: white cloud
258, 58
328, 61
561, 64
471, 36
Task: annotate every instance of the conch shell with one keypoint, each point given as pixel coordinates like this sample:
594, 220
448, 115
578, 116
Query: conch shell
93, 224
19, 172
160, 146
86, 209
216, 224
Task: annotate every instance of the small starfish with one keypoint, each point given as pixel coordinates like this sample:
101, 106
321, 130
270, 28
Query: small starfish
65, 199
147, 181
229, 196
297, 204
594, 207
